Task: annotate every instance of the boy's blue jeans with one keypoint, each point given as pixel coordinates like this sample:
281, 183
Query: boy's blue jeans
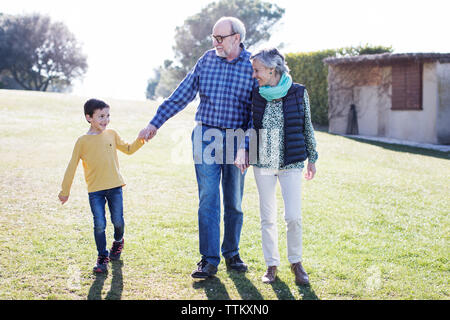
97, 200
209, 176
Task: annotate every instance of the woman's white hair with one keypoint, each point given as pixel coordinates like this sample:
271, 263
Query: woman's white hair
272, 58
237, 26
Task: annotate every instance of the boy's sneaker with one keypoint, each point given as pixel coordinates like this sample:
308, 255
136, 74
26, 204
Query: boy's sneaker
116, 250
102, 264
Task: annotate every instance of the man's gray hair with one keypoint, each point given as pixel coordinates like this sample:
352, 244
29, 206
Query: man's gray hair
272, 58
237, 26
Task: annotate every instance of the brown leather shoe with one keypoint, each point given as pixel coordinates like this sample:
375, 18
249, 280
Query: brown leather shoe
301, 277
270, 275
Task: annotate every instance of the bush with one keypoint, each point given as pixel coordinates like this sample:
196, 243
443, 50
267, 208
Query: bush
309, 70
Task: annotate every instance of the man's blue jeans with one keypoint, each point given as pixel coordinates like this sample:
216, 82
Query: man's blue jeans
209, 176
97, 200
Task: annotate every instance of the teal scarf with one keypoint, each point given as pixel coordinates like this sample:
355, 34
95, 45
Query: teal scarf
279, 91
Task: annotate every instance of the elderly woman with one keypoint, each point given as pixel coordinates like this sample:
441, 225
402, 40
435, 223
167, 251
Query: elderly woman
285, 139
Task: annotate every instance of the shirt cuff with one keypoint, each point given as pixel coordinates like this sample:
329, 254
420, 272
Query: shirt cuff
156, 122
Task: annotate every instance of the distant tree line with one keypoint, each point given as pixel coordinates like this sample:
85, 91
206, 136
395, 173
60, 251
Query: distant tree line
38, 54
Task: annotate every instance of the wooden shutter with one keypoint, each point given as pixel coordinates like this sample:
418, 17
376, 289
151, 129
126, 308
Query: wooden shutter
407, 86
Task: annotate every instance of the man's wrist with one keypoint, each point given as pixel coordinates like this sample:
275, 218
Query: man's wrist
154, 123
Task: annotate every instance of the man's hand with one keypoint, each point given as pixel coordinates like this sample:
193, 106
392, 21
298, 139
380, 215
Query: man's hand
242, 160
63, 199
148, 132
310, 171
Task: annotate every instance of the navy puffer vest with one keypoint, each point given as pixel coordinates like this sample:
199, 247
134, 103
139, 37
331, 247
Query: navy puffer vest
294, 118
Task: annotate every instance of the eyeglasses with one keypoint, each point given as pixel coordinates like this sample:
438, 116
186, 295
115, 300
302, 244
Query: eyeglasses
219, 39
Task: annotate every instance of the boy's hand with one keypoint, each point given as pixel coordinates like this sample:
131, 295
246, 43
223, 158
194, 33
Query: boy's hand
148, 132
63, 199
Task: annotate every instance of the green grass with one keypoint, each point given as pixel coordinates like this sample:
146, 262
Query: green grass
375, 218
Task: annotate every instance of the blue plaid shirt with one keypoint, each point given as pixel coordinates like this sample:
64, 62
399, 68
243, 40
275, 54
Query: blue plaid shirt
225, 90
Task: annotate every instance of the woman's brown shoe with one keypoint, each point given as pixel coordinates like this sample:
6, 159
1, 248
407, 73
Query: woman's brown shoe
301, 277
270, 275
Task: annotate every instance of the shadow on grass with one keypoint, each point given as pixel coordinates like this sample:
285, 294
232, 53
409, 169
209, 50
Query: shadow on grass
115, 292
404, 148
307, 293
283, 291
214, 288
244, 286
95, 291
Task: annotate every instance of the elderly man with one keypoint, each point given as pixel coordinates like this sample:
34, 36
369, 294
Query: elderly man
223, 79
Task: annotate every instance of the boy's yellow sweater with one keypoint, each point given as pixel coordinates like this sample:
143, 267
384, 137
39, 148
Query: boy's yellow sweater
99, 157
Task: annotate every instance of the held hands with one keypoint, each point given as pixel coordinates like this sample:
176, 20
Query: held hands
63, 199
148, 132
242, 161
310, 171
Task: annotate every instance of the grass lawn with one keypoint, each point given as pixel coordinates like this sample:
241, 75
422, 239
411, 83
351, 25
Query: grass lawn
375, 218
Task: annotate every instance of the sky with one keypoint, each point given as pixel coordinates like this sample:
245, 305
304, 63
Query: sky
125, 40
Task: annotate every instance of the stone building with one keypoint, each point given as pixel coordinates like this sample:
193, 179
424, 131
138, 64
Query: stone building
403, 96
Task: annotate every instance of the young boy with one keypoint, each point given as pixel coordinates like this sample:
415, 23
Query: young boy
97, 150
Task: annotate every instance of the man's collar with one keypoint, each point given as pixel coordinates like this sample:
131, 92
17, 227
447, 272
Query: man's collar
244, 52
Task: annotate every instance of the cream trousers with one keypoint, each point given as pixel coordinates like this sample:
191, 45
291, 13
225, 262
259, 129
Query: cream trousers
290, 182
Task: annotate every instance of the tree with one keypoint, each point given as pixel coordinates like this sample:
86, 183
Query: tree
152, 83
38, 53
170, 78
3, 48
192, 38
366, 49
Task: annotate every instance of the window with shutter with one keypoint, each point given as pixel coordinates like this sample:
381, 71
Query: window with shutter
407, 86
